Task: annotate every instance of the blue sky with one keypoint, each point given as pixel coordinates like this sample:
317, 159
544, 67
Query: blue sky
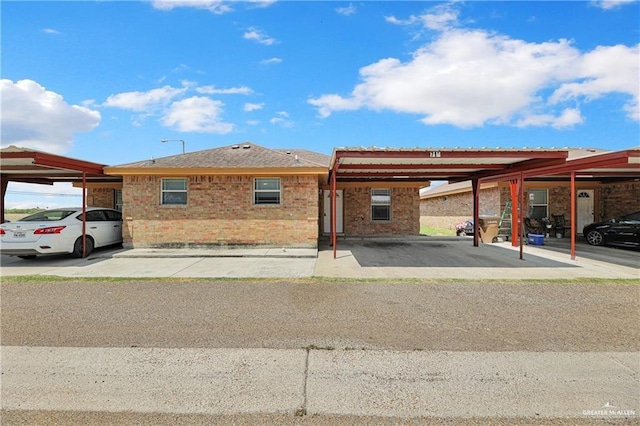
105, 81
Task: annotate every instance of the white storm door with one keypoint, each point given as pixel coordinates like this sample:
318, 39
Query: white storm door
327, 211
584, 209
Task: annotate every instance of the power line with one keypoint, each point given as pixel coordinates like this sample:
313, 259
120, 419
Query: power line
46, 194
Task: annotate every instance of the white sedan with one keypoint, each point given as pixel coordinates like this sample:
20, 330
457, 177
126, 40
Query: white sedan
60, 231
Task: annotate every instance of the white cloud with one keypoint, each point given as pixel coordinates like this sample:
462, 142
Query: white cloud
211, 90
218, 7
606, 69
470, 78
50, 31
259, 36
279, 121
569, 118
283, 113
611, 4
271, 61
144, 101
40, 119
253, 122
197, 114
253, 107
346, 11
410, 21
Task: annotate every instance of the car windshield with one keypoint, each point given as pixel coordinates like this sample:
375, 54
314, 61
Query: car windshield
47, 216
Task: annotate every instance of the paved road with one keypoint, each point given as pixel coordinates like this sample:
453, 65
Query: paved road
258, 352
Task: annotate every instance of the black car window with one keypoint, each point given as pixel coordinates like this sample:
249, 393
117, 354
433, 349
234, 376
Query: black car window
113, 215
633, 217
93, 216
47, 216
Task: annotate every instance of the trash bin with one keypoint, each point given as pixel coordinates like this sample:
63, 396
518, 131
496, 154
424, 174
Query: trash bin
489, 228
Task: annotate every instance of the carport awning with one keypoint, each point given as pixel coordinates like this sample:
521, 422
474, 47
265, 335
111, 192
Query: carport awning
31, 166
424, 164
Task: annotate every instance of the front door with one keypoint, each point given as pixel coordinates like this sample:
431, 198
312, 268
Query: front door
327, 211
584, 209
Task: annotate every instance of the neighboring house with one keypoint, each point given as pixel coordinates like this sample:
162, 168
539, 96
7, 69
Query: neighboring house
596, 200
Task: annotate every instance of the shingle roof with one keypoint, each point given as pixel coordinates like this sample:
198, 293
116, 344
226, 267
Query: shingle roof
245, 155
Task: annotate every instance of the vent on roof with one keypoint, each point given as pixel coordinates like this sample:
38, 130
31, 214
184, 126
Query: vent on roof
235, 146
246, 146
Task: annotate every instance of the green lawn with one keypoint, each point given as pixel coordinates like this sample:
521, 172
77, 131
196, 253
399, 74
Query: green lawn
429, 230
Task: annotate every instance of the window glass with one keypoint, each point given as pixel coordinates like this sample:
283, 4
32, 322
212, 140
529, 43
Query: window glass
538, 207
174, 191
48, 215
93, 216
266, 191
113, 215
381, 204
117, 196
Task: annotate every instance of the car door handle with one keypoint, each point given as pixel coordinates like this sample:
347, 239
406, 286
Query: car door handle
93, 227
116, 226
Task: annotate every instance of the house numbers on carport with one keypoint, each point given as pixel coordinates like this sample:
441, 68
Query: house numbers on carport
435, 154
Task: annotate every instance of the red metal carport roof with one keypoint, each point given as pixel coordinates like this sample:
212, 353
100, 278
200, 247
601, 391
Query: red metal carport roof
423, 164
31, 166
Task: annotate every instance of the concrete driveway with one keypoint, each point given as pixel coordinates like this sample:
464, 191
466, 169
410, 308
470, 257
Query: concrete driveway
410, 257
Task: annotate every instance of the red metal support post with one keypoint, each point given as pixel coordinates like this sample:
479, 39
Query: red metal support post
3, 182
475, 186
513, 190
521, 232
333, 212
84, 215
573, 215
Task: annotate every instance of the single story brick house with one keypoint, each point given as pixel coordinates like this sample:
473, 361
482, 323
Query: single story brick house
247, 195
598, 197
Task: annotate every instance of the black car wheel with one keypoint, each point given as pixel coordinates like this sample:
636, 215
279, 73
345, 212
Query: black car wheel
77, 247
595, 238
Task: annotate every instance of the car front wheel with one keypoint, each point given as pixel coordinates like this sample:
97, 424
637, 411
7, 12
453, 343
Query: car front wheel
595, 238
77, 247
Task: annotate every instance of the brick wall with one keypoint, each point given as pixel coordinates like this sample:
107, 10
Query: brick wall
619, 199
405, 213
220, 211
100, 197
447, 210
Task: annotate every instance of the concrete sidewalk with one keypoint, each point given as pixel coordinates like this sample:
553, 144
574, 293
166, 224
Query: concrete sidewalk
325, 382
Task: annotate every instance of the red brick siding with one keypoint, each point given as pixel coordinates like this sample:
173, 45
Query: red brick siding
100, 197
446, 211
619, 199
220, 211
405, 213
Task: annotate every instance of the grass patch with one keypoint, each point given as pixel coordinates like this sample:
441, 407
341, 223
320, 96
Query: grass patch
431, 231
37, 279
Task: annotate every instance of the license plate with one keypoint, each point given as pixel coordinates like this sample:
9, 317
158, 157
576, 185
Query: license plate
19, 234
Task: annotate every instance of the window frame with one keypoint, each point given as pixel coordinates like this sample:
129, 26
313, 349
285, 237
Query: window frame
257, 191
377, 204
533, 205
164, 191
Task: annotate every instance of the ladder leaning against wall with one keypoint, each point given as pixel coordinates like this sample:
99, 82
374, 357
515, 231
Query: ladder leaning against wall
504, 227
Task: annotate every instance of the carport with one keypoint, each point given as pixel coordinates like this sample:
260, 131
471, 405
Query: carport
31, 166
455, 165
618, 166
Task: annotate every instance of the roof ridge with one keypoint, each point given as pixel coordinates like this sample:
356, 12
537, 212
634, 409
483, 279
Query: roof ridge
279, 151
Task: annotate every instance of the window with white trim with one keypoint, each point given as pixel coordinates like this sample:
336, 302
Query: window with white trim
174, 192
538, 204
380, 204
267, 191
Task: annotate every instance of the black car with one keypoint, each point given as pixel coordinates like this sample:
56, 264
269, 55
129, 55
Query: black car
621, 231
